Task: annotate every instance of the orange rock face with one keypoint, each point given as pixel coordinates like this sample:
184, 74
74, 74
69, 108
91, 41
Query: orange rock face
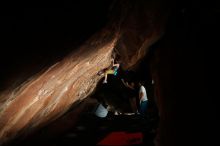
47, 95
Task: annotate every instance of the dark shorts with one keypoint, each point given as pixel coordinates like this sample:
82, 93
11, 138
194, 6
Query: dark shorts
143, 107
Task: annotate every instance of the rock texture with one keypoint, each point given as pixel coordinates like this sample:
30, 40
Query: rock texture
49, 94
140, 25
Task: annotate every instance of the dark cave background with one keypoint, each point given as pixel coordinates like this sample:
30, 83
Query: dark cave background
34, 38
